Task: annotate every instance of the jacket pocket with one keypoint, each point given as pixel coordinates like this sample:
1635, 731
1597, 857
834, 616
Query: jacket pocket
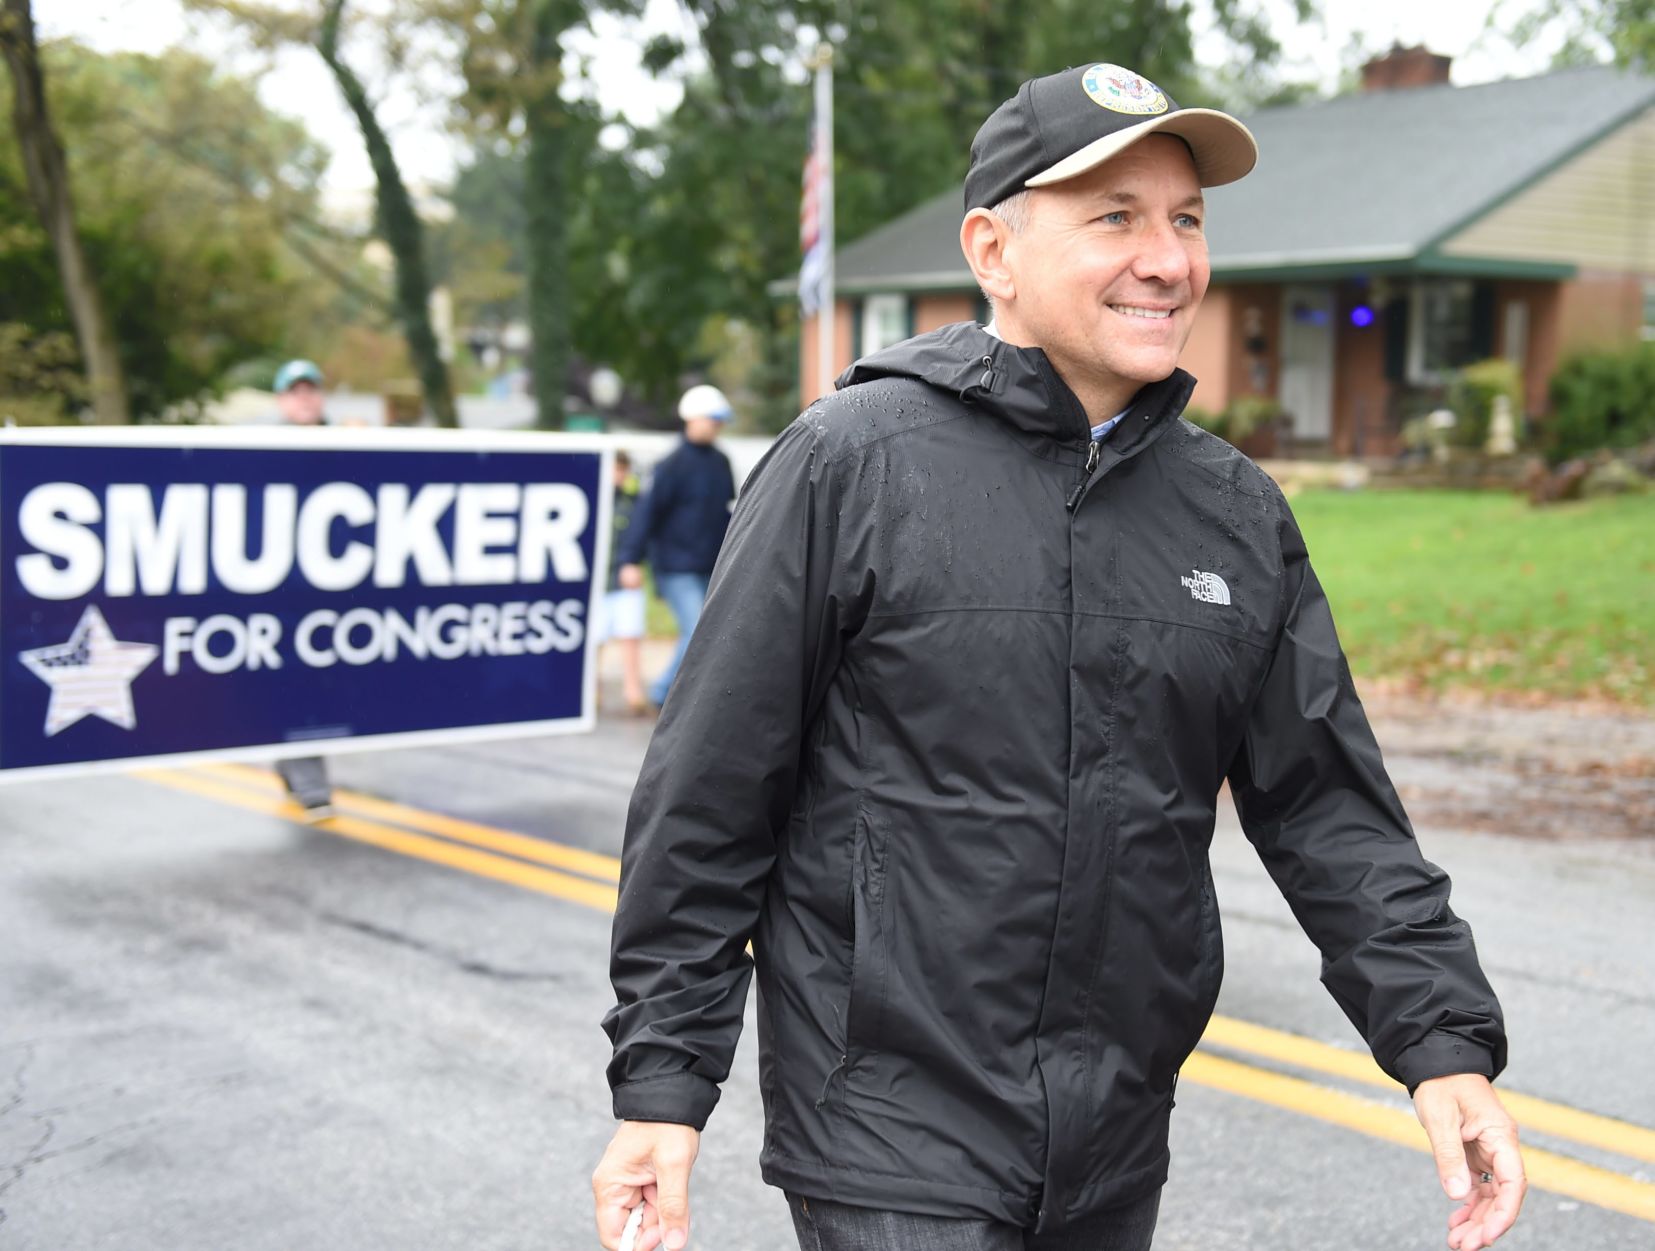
1209, 975
870, 956
1212, 949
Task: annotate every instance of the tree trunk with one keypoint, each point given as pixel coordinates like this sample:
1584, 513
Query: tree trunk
400, 225
547, 242
48, 180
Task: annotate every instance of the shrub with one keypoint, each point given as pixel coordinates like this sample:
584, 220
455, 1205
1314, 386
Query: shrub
1602, 400
1246, 414
1206, 419
40, 379
1472, 396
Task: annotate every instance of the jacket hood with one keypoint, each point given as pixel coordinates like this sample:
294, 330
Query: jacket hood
1018, 385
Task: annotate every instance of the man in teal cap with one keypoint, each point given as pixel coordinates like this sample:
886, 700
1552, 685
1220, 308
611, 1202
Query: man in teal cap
299, 400
299, 393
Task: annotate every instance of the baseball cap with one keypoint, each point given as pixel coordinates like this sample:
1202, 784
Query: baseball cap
705, 401
297, 371
1064, 124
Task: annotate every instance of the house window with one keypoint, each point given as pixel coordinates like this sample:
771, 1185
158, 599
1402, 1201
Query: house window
1649, 308
885, 321
1451, 325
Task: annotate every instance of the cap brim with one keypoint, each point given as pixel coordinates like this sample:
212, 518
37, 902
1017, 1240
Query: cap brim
1223, 148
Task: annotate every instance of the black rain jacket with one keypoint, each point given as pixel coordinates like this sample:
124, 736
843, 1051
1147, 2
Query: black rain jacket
946, 747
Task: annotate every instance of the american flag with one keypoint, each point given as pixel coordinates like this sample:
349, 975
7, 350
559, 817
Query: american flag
817, 188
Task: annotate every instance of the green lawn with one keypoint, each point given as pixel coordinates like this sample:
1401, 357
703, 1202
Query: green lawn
1460, 588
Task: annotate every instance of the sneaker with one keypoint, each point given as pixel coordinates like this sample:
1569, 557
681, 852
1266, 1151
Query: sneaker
315, 813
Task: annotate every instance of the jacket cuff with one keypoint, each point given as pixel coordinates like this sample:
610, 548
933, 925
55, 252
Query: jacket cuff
1441, 1055
683, 1098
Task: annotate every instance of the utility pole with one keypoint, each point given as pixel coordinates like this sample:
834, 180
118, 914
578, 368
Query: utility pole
826, 308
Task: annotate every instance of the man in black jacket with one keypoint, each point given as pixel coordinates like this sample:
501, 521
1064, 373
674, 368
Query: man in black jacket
992, 626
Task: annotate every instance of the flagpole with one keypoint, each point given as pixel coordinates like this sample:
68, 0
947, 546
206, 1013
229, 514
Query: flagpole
827, 313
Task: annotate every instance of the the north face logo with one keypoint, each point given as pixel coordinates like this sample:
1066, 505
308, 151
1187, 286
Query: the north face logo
1207, 587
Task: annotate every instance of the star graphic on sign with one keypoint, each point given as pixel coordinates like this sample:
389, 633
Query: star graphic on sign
90, 675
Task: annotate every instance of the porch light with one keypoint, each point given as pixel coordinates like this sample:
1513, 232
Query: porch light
1361, 315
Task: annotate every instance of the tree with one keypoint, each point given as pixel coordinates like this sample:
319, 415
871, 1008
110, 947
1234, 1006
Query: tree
47, 176
717, 182
398, 223
1594, 30
190, 197
512, 52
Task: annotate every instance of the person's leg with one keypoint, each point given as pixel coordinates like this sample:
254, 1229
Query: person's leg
825, 1226
632, 672
306, 778
1130, 1227
627, 628
684, 594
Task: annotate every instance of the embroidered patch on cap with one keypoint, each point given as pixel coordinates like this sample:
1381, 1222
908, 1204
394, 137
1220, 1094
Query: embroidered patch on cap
1122, 91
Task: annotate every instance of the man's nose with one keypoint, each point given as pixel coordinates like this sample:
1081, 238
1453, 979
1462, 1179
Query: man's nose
1162, 256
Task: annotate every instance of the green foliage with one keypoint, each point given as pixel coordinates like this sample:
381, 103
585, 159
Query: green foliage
164, 153
40, 377
1472, 394
478, 253
1594, 30
1602, 400
1245, 415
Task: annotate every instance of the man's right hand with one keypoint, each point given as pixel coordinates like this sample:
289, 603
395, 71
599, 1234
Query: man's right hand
631, 577
647, 1162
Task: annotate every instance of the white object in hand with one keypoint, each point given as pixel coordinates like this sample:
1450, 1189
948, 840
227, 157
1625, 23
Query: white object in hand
635, 1222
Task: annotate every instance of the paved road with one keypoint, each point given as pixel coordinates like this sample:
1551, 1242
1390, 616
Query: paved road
222, 1029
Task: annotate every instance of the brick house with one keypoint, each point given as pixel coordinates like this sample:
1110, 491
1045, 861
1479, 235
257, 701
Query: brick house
1385, 239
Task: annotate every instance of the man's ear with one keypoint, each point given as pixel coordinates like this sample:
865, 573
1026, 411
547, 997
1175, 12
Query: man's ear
983, 239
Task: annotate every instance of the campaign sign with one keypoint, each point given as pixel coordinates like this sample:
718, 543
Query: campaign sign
181, 592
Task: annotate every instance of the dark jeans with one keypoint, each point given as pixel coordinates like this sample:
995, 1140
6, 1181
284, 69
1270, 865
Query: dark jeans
825, 1226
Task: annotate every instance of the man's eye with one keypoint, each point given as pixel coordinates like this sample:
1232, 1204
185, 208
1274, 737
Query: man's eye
1189, 220
1117, 218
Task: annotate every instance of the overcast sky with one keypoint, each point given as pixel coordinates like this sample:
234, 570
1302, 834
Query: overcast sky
299, 84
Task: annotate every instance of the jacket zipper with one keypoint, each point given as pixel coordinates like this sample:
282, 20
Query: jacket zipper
1092, 453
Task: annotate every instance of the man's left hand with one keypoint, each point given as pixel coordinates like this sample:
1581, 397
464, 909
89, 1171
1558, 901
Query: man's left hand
1471, 1133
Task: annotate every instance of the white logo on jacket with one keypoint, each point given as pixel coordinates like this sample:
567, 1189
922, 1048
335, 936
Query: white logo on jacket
1207, 587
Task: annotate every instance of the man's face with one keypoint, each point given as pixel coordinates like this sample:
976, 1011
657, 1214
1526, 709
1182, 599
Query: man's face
701, 429
1111, 266
301, 404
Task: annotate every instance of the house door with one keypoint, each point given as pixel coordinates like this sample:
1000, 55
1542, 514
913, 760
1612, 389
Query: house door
1307, 359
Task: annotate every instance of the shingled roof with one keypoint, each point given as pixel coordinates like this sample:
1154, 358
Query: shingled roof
1374, 179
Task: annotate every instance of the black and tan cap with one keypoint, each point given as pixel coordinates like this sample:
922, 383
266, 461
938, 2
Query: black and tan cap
1060, 126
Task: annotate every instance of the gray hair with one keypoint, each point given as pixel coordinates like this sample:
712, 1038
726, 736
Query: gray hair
1014, 212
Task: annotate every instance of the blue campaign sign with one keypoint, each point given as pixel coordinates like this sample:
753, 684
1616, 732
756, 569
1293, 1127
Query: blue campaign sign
170, 592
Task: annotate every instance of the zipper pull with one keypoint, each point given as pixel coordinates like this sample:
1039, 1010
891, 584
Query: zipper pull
1092, 454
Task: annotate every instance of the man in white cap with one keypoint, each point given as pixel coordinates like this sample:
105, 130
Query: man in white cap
680, 522
992, 628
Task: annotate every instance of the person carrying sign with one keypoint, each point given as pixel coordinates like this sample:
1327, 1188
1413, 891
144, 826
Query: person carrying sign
299, 402
992, 627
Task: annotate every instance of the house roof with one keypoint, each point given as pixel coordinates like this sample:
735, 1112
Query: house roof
1372, 181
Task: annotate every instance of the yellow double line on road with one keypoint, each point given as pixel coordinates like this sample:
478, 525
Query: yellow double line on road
588, 878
